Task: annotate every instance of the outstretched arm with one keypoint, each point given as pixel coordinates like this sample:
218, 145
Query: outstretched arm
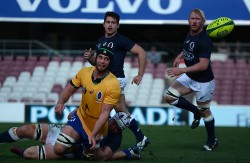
103, 118
142, 59
64, 97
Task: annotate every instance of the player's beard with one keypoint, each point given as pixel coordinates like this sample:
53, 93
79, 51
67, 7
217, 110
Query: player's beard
196, 30
102, 69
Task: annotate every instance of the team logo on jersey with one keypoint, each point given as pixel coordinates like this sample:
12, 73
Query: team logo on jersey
91, 91
191, 46
84, 90
99, 96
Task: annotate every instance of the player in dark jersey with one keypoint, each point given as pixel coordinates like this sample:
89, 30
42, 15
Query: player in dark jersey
196, 77
121, 45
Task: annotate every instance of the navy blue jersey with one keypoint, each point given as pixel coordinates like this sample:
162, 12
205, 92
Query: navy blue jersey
120, 45
195, 47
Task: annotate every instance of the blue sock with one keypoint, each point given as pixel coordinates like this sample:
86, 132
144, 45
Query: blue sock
5, 137
184, 104
133, 126
210, 130
128, 154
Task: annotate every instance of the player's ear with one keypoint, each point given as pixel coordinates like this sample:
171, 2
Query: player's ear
118, 26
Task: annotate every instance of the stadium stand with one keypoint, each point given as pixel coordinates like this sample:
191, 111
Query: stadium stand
41, 79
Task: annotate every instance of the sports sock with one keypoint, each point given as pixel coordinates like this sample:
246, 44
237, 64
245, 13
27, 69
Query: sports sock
17, 150
128, 154
209, 125
184, 104
133, 126
6, 138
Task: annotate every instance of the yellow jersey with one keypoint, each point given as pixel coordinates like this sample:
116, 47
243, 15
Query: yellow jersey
94, 95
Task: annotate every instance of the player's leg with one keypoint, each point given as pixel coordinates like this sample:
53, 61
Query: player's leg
132, 153
30, 131
69, 135
141, 140
44, 152
174, 94
111, 144
65, 140
203, 101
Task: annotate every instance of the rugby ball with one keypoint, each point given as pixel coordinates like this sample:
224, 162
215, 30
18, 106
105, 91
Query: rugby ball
220, 27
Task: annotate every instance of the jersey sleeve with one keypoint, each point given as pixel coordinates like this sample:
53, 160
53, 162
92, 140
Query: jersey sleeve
113, 93
127, 43
76, 80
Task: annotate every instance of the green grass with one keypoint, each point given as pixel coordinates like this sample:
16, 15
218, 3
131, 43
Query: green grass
169, 144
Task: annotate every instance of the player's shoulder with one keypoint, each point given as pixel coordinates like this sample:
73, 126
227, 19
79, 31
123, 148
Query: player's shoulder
111, 78
87, 69
204, 36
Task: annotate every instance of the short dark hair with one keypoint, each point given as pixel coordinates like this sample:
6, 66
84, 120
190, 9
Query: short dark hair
113, 15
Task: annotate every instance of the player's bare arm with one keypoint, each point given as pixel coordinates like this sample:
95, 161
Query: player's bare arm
202, 65
64, 97
178, 59
90, 56
104, 116
142, 59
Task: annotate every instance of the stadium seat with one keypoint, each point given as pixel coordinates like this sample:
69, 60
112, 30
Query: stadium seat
32, 59
56, 58
128, 59
69, 59
52, 98
43, 59
39, 98
3, 96
20, 58
57, 88
8, 58
79, 58
10, 81
14, 97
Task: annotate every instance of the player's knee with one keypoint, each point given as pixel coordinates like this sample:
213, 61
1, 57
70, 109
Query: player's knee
59, 149
171, 95
204, 110
63, 143
33, 153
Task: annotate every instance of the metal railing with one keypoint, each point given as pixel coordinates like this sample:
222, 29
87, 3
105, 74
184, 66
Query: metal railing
26, 47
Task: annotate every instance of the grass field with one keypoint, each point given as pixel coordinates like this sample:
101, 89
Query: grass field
169, 144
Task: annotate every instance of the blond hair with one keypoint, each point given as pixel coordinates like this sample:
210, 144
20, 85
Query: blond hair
199, 12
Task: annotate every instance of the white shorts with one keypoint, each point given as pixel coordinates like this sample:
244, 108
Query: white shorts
123, 83
203, 91
53, 132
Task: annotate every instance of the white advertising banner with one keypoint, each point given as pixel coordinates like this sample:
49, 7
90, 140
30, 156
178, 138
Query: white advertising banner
12, 112
229, 115
225, 115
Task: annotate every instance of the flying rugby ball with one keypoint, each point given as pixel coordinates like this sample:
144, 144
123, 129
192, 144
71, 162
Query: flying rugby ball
220, 27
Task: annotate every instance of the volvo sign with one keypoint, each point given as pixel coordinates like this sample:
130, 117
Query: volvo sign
131, 11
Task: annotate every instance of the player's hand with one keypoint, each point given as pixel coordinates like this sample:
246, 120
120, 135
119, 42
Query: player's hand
59, 108
92, 141
173, 72
87, 53
137, 79
176, 62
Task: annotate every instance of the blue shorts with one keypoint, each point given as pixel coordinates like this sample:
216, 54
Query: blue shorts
76, 124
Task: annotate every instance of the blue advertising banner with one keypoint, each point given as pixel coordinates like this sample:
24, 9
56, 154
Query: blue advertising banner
131, 11
143, 115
